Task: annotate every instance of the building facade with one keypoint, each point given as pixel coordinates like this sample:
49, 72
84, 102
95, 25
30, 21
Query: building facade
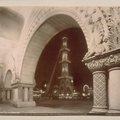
26, 31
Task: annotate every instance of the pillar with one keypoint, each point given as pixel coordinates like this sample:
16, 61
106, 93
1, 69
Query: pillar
100, 92
30, 94
8, 94
99, 86
114, 90
3, 95
112, 63
22, 95
109, 62
17, 95
25, 94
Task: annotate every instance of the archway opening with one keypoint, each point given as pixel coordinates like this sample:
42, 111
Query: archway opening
39, 40
50, 57
7, 89
8, 79
45, 45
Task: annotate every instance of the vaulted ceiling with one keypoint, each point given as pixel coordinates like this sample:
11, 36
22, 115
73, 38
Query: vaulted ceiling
11, 24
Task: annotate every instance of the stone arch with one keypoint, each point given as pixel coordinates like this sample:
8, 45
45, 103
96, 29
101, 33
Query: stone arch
38, 42
10, 65
37, 22
8, 79
34, 27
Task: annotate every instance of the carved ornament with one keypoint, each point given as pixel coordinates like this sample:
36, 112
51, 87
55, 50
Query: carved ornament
103, 63
106, 37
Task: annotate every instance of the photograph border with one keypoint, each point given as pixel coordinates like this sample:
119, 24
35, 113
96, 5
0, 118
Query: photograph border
61, 3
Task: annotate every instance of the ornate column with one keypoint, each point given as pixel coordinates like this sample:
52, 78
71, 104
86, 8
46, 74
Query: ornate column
100, 91
109, 62
99, 85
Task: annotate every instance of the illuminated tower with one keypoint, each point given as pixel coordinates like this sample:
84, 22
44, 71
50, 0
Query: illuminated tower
66, 81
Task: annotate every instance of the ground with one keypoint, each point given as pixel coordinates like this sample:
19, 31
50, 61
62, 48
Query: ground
50, 107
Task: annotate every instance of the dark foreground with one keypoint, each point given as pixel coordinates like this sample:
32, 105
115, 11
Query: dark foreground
67, 106
50, 107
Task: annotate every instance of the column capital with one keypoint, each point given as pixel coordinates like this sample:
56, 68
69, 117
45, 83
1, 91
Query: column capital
96, 65
105, 61
112, 61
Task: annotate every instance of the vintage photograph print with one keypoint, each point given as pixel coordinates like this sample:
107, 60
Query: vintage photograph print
59, 61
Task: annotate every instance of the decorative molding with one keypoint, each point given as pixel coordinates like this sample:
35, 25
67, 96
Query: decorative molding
105, 62
113, 23
107, 35
96, 65
112, 61
96, 47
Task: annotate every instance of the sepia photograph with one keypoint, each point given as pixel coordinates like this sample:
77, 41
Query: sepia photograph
59, 61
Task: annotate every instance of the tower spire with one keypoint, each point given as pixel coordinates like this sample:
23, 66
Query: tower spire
66, 81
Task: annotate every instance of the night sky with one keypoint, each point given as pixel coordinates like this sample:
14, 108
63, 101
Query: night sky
77, 45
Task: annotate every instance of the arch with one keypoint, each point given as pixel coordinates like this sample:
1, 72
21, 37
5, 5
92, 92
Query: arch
40, 39
8, 79
10, 65
41, 25
36, 21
